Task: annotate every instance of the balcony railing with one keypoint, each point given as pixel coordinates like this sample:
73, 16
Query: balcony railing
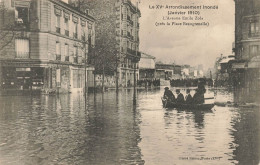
67, 33
57, 30
257, 34
58, 57
22, 55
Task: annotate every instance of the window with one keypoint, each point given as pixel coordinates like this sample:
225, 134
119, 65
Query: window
75, 51
57, 24
22, 15
83, 33
75, 34
57, 48
58, 55
22, 48
254, 28
66, 26
66, 50
253, 50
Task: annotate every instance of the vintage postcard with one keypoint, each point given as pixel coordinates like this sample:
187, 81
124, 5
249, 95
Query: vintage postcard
118, 82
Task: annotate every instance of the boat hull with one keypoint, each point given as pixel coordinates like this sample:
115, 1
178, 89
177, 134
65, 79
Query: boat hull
203, 107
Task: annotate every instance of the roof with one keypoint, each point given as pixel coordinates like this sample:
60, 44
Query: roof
144, 55
73, 9
226, 60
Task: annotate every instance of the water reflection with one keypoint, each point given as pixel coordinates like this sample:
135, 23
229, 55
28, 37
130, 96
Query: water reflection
108, 129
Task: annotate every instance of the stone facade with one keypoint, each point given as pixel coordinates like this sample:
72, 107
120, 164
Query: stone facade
48, 47
120, 18
246, 68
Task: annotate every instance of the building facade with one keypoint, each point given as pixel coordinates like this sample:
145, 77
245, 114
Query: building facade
45, 46
146, 67
118, 23
246, 69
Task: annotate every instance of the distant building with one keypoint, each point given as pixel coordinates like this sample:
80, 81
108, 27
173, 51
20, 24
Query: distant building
47, 46
168, 71
146, 67
246, 69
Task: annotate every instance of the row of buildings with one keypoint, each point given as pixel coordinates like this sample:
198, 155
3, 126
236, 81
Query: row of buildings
56, 45
150, 69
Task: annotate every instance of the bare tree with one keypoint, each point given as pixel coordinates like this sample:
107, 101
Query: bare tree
7, 29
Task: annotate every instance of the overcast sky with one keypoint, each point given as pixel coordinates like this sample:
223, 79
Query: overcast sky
188, 45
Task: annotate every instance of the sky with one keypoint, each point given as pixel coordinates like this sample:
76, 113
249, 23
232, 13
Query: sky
187, 44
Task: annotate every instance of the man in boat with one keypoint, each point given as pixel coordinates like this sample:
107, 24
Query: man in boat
188, 97
198, 97
180, 97
168, 95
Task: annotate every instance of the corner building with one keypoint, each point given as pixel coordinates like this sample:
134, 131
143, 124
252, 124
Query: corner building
121, 18
246, 69
47, 46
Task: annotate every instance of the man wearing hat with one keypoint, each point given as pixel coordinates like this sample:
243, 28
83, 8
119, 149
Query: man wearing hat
188, 97
180, 97
168, 95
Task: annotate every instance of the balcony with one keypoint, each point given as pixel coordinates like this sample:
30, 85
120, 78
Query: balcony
257, 34
75, 35
67, 33
58, 57
128, 34
57, 30
135, 55
67, 58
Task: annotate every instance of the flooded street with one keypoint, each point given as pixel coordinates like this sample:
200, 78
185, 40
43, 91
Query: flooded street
109, 130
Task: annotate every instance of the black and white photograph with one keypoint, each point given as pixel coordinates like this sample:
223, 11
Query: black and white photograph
129, 82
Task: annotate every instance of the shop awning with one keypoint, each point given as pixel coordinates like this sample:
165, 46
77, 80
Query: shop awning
238, 65
254, 62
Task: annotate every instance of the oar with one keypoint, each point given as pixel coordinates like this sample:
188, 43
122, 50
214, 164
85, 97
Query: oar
209, 98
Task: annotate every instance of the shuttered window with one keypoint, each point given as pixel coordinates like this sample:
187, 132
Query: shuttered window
22, 48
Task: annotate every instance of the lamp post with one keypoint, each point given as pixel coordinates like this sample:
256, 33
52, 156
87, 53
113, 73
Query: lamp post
135, 58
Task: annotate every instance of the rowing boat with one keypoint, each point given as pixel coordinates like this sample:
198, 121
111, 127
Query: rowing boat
203, 107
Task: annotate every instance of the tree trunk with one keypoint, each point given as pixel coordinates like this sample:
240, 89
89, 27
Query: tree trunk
103, 78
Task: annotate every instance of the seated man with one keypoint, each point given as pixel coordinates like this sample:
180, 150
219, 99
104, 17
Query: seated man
188, 98
198, 97
168, 95
180, 97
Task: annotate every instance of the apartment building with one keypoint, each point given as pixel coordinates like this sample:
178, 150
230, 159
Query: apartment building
119, 18
44, 45
246, 69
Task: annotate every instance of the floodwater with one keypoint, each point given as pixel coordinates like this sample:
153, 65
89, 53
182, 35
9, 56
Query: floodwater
109, 130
